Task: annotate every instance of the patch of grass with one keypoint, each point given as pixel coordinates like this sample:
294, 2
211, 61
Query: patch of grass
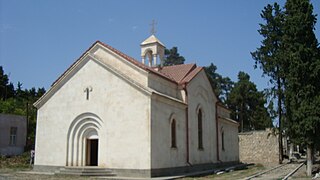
239, 174
19, 162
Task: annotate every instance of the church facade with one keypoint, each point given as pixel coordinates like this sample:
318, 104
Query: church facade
135, 118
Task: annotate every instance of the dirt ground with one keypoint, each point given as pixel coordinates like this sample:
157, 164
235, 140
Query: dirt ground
18, 168
19, 174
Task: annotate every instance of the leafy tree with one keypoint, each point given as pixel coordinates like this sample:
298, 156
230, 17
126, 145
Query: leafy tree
302, 75
269, 57
247, 104
172, 57
221, 85
11, 106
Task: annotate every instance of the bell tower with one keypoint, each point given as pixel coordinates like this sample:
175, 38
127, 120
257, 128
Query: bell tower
152, 50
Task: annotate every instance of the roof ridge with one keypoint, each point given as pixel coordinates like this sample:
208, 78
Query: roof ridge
136, 62
178, 65
121, 54
73, 64
195, 71
190, 70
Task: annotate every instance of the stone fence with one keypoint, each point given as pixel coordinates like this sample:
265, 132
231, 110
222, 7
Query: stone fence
259, 146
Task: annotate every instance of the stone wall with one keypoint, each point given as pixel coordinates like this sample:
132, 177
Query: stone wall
259, 147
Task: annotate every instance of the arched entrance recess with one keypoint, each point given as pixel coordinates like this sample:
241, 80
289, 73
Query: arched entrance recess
83, 140
92, 145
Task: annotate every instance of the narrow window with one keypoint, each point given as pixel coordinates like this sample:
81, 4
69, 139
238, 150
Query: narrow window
13, 135
173, 134
200, 140
222, 140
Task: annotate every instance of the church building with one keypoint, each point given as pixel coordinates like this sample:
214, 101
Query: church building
134, 118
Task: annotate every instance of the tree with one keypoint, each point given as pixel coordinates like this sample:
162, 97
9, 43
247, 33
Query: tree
172, 57
302, 76
291, 49
18, 101
220, 85
40, 92
6, 88
269, 57
247, 104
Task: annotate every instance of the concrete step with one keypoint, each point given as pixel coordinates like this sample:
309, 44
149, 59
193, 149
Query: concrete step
87, 174
85, 171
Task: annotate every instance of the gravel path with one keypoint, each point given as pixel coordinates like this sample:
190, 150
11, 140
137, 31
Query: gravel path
278, 173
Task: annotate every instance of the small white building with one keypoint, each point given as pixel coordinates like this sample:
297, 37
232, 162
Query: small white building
13, 133
134, 118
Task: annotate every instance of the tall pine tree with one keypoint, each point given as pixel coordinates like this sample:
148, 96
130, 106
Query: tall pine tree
247, 105
269, 57
6, 87
302, 75
172, 57
220, 85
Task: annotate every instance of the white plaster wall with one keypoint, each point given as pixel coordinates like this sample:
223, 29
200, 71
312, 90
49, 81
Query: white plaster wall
124, 110
223, 111
200, 93
110, 58
162, 155
231, 142
164, 86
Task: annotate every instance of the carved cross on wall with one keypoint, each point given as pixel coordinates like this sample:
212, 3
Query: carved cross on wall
87, 90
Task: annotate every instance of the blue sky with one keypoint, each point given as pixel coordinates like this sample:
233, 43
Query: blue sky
40, 39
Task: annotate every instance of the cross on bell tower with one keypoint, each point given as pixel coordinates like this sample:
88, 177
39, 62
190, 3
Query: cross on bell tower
153, 27
152, 49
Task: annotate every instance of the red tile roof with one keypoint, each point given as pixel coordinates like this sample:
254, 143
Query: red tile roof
182, 73
191, 75
178, 74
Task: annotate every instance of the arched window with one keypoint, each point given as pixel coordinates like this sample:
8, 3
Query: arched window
173, 134
200, 140
222, 140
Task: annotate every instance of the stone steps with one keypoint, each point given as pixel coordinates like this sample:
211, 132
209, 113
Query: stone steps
85, 171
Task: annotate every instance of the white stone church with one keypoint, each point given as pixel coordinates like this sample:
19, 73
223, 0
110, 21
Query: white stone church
135, 118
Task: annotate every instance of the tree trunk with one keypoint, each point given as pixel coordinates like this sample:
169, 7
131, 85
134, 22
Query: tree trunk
280, 117
27, 127
291, 151
309, 160
241, 117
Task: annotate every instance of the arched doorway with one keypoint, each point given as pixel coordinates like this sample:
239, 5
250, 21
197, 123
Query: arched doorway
83, 140
92, 146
